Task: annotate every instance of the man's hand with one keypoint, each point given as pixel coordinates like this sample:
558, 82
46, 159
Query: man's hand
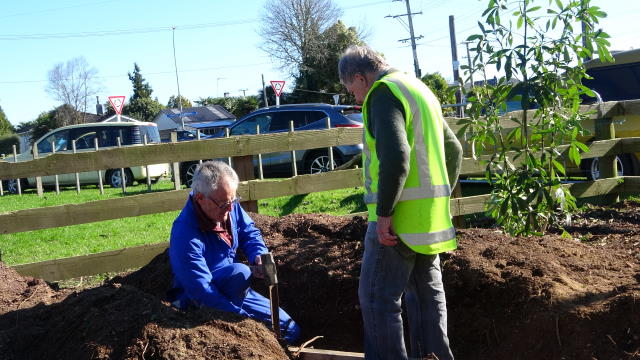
257, 270
386, 235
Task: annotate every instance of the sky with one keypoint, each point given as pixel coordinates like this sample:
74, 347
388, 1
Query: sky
217, 43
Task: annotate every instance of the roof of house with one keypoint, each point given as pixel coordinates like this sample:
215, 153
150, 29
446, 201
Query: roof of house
198, 114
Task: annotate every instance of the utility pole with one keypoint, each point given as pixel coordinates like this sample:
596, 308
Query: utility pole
412, 38
456, 64
175, 63
469, 63
264, 92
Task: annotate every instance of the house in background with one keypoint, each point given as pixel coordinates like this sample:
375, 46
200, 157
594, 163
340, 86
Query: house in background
208, 119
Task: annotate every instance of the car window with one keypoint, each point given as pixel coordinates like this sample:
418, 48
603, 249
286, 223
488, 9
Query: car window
316, 116
153, 135
248, 126
284, 118
58, 140
86, 139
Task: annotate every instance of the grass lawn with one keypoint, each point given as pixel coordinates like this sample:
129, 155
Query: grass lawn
55, 243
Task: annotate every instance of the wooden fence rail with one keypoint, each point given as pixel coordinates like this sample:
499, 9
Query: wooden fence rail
124, 157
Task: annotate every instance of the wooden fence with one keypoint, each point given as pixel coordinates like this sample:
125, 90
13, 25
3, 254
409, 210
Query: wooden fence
130, 206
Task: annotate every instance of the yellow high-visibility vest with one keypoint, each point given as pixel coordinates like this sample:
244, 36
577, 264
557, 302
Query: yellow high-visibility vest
421, 218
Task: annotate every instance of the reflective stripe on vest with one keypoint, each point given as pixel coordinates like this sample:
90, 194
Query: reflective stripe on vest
426, 189
429, 238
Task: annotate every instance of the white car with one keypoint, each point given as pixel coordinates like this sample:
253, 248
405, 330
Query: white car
107, 133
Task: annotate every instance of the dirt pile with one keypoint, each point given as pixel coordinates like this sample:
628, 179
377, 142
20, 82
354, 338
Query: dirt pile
509, 298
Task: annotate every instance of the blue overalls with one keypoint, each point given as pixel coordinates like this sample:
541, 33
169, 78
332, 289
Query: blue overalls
206, 274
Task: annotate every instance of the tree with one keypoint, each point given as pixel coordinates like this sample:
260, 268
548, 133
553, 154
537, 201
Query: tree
437, 83
141, 106
50, 120
317, 79
540, 47
5, 126
173, 102
141, 88
73, 84
291, 30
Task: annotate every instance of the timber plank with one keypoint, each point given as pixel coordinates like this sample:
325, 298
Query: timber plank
76, 266
92, 211
114, 158
159, 202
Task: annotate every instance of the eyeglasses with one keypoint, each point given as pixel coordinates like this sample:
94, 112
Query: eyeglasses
226, 204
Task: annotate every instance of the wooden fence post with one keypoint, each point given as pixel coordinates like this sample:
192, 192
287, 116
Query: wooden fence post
294, 166
243, 165
175, 166
260, 170
330, 150
73, 146
605, 130
55, 177
38, 178
123, 179
146, 167
15, 160
100, 184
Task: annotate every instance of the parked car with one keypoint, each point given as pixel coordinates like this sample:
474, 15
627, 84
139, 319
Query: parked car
305, 117
188, 168
107, 133
615, 81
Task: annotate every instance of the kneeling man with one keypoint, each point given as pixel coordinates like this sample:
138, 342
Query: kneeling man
205, 239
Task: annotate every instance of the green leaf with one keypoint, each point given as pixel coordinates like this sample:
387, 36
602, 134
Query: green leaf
520, 20
582, 146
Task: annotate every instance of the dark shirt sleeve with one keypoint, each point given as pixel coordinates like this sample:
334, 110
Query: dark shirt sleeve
452, 154
387, 125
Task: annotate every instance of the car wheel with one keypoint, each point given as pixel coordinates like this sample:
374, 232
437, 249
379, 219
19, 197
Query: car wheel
188, 170
319, 163
592, 167
114, 179
12, 185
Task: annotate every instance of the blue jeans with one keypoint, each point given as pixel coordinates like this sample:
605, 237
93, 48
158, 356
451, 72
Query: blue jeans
388, 272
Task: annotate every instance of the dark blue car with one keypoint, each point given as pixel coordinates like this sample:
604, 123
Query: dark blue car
304, 117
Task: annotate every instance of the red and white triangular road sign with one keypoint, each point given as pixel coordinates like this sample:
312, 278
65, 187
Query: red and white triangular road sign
117, 102
278, 86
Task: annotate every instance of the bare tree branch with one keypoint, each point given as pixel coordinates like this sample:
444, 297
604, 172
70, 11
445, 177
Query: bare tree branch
73, 83
291, 29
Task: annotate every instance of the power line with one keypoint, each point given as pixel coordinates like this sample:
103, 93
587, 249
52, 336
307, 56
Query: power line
146, 74
55, 9
11, 37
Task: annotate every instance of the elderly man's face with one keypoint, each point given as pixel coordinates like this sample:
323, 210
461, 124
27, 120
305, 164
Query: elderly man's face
218, 204
359, 87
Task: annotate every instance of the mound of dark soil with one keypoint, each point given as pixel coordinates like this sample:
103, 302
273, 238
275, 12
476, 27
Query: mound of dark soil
509, 298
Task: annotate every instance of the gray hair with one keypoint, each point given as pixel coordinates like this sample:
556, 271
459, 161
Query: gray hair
210, 175
359, 59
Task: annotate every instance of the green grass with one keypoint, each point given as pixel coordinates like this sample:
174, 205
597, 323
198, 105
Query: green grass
55, 243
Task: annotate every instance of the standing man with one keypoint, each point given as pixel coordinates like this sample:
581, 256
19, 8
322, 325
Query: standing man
411, 160
204, 241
